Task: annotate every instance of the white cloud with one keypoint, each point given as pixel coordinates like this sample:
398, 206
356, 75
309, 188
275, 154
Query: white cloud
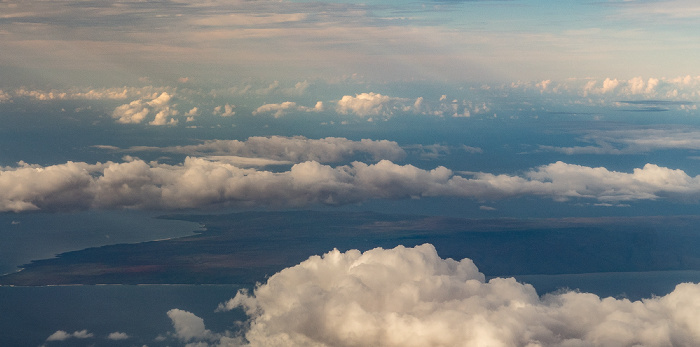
82, 334
132, 113
188, 326
61, 335
269, 89
299, 88
368, 104
116, 93
609, 85
117, 336
412, 297
4, 96
224, 111
201, 182
291, 149
279, 110
136, 111
629, 141
193, 112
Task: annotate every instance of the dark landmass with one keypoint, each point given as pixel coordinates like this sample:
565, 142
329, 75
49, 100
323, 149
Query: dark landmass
245, 248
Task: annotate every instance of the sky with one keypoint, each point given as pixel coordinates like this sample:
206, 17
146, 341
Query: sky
478, 109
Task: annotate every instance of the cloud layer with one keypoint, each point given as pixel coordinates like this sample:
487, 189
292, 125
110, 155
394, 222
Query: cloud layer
629, 141
200, 183
291, 149
412, 297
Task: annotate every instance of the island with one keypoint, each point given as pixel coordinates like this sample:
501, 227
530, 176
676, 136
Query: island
247, 247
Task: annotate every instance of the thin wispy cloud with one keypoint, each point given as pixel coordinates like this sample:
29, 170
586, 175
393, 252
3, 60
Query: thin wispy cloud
634, 141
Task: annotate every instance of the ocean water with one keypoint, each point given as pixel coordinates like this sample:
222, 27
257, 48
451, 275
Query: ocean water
29, 315
28, 236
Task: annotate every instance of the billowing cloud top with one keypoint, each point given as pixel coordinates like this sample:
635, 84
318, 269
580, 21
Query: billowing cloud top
200, 182
137, 111
412, 297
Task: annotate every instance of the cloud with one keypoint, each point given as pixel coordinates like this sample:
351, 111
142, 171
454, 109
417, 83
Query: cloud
202, 182
190, 329
224, 111
470, 149
412, 297
193, 112
429, 151
117, 336
279, 110
610, 90
4, 97
188, 326
269, 89
136, 111
368, 104
116, 93
61, 335
290, 149
631, 141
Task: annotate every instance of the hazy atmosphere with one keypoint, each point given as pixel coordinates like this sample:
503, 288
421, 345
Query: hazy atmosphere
333, 173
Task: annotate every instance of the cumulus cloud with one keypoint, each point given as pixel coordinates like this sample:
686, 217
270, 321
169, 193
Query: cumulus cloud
117, 336
189, 327
299, 88
193, 112
279, 110
412, 297
202, 182
4, 96
291, 149
610, 89
61, 335
369, 104
224, 111
136, 111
